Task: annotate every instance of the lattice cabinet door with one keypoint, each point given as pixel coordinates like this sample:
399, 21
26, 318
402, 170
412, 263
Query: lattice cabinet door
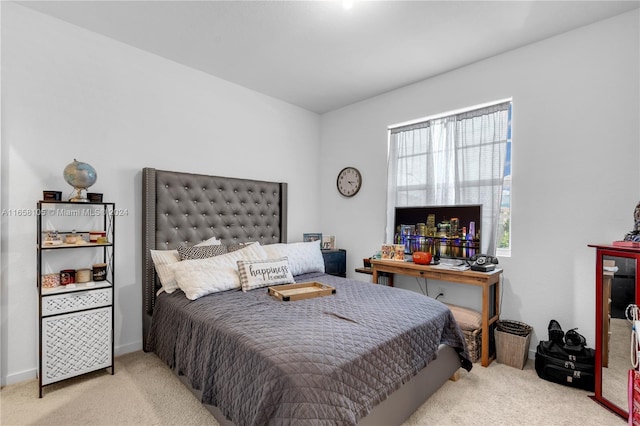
75, 343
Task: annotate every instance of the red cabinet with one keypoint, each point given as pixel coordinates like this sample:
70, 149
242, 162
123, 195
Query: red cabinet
617, 286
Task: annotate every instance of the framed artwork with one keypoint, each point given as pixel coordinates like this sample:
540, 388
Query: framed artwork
392, 252
328, 242
312, 236
387, 252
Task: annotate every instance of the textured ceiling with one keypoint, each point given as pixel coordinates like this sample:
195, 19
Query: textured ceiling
320, 56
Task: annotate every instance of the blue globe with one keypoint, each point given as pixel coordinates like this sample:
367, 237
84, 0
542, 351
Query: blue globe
80, 176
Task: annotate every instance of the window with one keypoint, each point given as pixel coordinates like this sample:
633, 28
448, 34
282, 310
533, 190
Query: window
458, 158
504, 222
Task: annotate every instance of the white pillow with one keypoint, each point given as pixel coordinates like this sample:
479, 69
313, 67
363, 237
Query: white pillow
199, 277
262, 273
161, 260
213, 241
303, 257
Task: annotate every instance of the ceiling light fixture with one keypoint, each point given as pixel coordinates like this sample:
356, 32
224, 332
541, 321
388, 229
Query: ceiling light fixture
347, 4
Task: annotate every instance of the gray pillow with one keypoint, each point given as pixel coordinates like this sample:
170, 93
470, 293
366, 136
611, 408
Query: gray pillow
200, 252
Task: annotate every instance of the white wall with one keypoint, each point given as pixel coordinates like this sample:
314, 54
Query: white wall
68, 93
576, 152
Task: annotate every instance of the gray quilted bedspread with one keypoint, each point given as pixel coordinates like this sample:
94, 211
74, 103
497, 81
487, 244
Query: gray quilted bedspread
327, 360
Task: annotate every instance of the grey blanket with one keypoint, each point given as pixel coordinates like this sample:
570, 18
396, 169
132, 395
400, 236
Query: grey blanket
327, 360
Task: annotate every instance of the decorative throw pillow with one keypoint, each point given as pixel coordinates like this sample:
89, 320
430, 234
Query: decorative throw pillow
234, 247
161, 261
200, 252
163, 258
262, 273
303, 257
199, 277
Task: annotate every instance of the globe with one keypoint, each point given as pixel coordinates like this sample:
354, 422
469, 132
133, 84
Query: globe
81, 176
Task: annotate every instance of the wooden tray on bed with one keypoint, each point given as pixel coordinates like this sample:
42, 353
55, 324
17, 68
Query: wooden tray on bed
301, 291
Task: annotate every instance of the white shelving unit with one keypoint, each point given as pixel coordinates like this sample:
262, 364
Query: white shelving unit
75, 321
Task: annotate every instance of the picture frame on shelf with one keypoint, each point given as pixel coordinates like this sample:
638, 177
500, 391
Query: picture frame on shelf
328, 242
392, 252
387, 252
312, 236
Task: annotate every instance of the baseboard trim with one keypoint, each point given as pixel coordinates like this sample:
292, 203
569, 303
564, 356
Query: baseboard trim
22, 376
32, 373
128, 348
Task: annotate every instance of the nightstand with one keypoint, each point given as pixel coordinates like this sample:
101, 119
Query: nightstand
335, 262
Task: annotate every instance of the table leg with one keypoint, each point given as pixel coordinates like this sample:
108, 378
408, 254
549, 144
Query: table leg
496, 308
485, 325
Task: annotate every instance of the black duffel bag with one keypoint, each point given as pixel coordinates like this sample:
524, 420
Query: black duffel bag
573, 368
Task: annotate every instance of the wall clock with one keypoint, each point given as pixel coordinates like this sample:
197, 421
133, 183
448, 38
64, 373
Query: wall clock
349, 181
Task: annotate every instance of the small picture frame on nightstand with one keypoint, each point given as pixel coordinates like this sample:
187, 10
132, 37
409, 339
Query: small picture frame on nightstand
315, 236
328, 242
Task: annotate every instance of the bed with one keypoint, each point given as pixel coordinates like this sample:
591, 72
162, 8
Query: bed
368, 354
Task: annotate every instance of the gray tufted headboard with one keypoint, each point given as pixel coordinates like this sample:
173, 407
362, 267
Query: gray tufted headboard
190, 208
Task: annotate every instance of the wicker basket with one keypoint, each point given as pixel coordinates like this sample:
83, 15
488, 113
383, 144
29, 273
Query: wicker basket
514, 327
473, 338
470, 323
512, 343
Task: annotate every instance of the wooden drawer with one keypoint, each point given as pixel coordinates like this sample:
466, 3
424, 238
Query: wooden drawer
81, 300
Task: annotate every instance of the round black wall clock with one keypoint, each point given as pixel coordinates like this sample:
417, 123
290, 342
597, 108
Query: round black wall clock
349, 181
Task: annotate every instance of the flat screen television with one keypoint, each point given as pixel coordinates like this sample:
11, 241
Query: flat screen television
444, 231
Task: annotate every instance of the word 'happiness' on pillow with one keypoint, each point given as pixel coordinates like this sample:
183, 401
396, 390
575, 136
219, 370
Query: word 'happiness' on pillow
262, 273
200, 252
199, 277
303, 257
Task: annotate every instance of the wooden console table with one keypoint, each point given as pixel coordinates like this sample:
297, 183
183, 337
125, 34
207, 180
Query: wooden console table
489, 281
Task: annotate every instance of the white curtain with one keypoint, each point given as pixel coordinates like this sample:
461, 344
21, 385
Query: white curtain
451, 160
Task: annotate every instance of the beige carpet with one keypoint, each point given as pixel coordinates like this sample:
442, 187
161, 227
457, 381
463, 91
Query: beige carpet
144, 392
